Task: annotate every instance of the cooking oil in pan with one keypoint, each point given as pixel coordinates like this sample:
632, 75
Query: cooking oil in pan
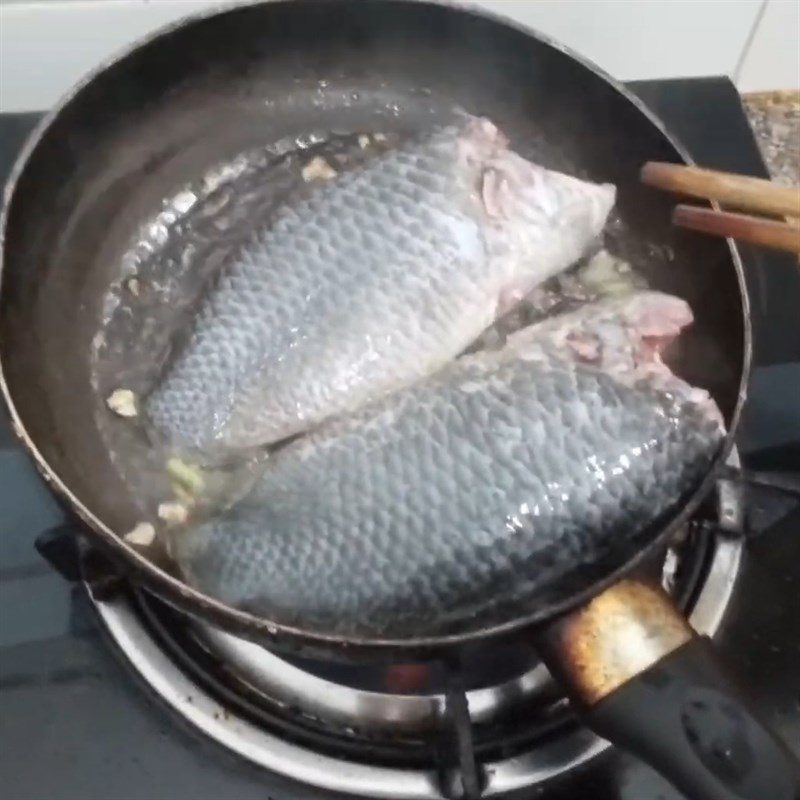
173, 259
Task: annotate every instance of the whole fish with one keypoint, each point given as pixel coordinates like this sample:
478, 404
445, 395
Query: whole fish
488, 484
379, 278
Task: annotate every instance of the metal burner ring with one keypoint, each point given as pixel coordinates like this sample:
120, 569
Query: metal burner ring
542, 763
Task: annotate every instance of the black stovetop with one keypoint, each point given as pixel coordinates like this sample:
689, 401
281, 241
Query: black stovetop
76, 723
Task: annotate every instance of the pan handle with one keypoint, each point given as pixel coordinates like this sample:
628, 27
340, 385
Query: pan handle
74, 559
782, 482
645, 681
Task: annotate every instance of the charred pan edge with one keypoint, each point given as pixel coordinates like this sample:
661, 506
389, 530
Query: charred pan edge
618, 634
266, 631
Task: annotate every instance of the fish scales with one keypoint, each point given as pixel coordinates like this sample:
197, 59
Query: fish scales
378, 278
490, 483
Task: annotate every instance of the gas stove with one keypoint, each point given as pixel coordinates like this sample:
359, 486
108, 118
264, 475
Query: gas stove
106, 692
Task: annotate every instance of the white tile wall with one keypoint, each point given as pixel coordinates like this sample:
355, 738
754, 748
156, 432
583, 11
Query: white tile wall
46, 46
643, 38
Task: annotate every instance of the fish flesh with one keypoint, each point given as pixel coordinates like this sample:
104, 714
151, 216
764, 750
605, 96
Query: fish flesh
487, 486
378, 278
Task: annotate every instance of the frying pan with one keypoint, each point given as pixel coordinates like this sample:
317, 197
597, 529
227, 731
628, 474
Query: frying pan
217, 84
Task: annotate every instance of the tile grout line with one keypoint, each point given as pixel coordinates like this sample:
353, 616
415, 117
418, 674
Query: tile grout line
748, 43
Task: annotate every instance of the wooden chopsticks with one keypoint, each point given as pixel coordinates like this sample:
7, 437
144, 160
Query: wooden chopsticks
734, 191
766, 232
737, 191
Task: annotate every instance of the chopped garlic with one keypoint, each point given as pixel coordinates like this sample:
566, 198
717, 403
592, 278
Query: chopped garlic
173, 513
609, 275
122, 402
133, 286
142, 535
185, 497
363, 141
185, 475
318, 169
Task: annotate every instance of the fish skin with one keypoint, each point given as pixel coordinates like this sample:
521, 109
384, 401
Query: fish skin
486, 486
379, 278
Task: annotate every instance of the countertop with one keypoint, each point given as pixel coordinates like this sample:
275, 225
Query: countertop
775, 117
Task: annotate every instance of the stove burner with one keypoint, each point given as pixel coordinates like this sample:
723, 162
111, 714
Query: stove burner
352, 729
131, 760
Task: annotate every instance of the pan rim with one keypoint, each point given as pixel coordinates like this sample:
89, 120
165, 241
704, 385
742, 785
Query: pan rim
263, 629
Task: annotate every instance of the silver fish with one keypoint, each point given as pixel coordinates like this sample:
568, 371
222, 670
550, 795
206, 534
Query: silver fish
379, 278
491, 483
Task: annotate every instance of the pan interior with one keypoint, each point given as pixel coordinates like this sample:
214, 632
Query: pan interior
187, 105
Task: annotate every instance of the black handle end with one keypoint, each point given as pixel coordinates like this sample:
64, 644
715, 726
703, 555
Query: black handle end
59, 547
685, 718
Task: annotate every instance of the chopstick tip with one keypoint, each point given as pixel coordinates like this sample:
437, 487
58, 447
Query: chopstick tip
652, 171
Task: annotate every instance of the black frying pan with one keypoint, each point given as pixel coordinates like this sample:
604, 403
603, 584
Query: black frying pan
218, 84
